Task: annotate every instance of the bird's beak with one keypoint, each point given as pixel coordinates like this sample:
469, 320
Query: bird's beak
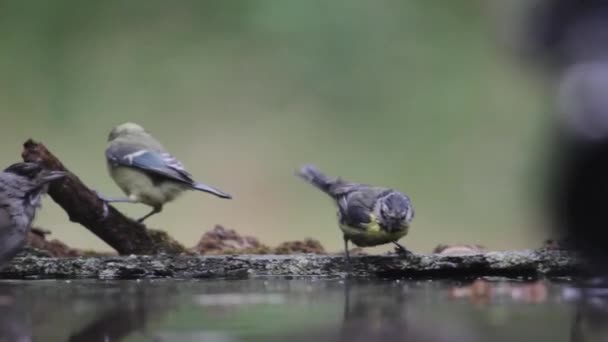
394, 223
50, 176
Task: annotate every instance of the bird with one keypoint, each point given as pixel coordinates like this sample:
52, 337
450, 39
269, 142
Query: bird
21, 188
367, 215
145, 171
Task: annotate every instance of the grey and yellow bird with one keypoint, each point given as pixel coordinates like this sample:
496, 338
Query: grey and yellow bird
21, 188
367, 215
145, 171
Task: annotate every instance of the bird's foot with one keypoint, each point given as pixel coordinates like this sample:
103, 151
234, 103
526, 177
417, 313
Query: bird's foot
99, 195
156, 210
402, 251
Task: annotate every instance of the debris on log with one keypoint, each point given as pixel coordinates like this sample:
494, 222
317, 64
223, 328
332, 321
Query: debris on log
308, 246
36, 239
38, 244
83, 206
458, 249
221, 240
515, 264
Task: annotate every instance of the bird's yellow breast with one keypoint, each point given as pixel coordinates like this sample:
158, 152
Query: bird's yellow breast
372, 234
139, 187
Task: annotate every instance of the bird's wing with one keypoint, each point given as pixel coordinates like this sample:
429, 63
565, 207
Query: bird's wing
353, 214
158, 163
11, 239
340, 188
356, 205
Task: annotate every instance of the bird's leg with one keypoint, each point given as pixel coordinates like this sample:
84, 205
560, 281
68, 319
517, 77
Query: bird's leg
349, 267
156, 210
400, 249
114, 199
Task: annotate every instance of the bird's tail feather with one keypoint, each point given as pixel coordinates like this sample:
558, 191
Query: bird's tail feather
315, 177
211, 190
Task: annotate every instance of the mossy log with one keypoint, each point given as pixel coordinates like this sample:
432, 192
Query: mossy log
513, 264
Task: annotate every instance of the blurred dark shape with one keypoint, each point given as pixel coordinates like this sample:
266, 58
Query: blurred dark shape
306, 246
571, 36
459, 249
579, 187
590, 321
564, 32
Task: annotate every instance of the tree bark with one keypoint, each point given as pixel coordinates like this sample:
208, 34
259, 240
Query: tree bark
512, 264
83, 206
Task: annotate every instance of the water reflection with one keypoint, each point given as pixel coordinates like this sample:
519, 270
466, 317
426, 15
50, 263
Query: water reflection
299, 310
368, 316
481, 292
387, 312
127, 314
80, 311
15, 322
590, 320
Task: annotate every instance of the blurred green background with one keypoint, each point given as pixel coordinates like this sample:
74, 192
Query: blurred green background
423, 96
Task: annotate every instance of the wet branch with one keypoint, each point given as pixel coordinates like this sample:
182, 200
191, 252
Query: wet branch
83, 206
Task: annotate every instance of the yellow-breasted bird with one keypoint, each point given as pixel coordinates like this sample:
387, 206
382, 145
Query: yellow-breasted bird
367, 215
145, 171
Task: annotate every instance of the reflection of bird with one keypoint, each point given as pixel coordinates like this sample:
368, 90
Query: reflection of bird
368, 215
21, 188
15, 320
375, 312
145, 171
590, 321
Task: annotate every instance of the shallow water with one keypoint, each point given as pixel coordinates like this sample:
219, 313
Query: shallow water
276, 309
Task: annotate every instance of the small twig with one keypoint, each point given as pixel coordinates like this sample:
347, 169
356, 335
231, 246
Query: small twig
83, 206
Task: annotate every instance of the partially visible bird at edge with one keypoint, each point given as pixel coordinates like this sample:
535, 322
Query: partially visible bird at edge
145, 171
21, 188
